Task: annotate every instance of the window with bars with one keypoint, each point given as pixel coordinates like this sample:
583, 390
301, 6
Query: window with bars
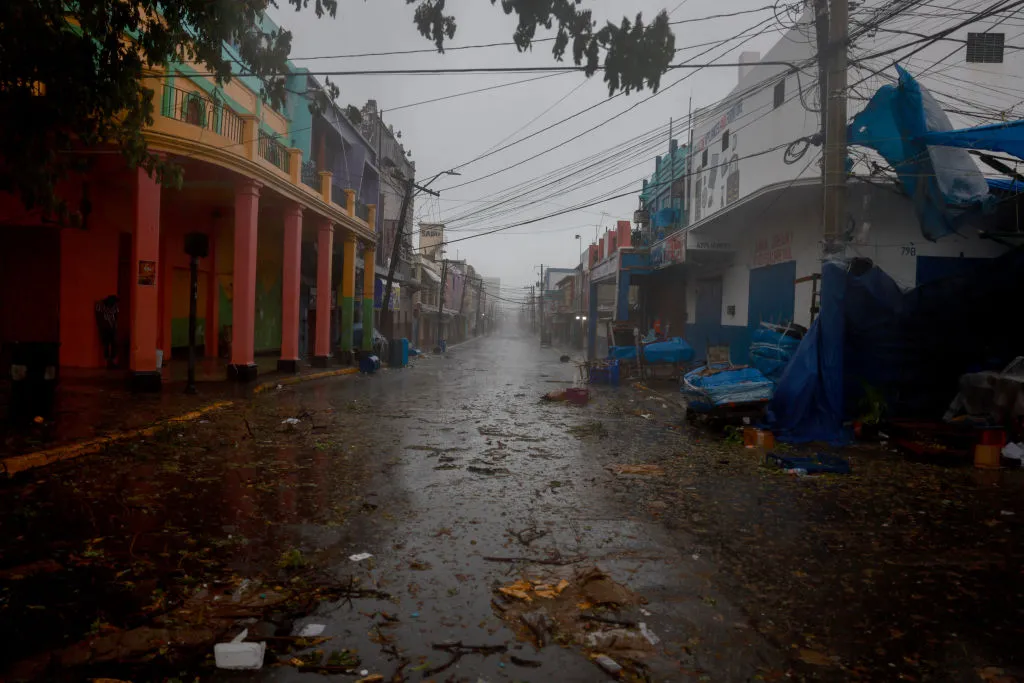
704, 158
985, 48
725, 140
780, 93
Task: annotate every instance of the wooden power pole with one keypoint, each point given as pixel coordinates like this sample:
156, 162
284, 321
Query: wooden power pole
835, 126
440, 299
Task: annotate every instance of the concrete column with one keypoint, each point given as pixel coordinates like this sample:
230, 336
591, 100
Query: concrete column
369, 259
290, 281
243, 331
592, 323
348, 292
350, 202
145, 303
322, 334
622, 297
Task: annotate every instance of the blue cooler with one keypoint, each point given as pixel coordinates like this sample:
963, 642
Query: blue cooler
399, 353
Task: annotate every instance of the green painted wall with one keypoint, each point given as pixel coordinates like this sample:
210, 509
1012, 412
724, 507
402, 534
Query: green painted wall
269, 262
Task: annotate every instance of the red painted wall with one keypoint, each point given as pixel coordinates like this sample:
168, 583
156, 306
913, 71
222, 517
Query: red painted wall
88, 273
592, 255
625, 231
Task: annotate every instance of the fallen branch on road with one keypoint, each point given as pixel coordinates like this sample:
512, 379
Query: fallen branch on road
536, 560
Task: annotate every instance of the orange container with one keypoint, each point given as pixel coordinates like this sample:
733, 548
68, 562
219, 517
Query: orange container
993, 436
986, 457
758, 438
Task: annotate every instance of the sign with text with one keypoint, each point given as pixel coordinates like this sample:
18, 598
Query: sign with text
695, 242
775, 249
669, 251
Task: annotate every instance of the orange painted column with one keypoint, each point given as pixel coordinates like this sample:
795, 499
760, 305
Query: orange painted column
145, 301
325, 248
247, 208
290, 280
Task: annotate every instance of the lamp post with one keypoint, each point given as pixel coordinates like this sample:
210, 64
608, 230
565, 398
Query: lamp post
579, 284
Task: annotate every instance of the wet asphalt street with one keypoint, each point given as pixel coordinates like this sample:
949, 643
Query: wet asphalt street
458, 480
468, 455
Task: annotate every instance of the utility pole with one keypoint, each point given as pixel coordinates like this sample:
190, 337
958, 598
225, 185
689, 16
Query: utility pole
543, 288
462, 302
835, 128
533, 309
440, 300
479, 291
396, 248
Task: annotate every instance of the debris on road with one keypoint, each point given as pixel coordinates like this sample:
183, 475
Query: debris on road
290, 421
311, 630
359, 557
580, 607
607, 664
240, 655
640, 470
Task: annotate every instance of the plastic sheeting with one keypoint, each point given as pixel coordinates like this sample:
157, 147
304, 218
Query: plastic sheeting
674, 350
771, 351
912, 346
718, 385
808, 400
901, 123
998, 137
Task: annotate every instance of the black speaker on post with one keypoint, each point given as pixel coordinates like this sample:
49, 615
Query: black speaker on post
197, 244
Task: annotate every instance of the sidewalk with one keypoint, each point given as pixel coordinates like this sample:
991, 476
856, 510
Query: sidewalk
93, 409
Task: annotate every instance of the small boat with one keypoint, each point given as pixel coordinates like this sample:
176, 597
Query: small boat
726, 388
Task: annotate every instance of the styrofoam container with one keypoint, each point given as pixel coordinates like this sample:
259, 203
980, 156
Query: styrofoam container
238, 655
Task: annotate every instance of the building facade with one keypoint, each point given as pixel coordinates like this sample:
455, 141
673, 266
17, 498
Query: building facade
397, 169
243, 195
753, 247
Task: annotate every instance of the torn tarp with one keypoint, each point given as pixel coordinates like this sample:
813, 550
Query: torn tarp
902, 123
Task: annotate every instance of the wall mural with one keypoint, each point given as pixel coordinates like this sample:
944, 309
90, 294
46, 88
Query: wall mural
717, 184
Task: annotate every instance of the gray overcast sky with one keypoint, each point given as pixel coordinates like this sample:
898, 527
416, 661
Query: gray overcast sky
446, 134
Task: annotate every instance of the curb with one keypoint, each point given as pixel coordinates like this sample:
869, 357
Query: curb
299, 379
20, 463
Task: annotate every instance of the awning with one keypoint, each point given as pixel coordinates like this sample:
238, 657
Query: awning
431, 275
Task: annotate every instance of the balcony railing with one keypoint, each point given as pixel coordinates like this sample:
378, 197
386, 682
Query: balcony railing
274, 152
198, 109
338, 197
310, 176
362, 211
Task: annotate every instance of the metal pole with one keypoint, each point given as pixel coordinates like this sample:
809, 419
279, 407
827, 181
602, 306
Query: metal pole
440, 299
835, 131
193, 299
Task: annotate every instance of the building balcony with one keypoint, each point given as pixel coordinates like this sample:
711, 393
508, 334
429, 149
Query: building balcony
199, 121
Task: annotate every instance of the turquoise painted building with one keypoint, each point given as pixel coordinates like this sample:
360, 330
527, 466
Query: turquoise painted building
663, 195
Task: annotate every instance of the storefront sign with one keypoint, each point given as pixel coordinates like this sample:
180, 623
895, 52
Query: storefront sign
775, 249
719, 126
695, 242
669, 251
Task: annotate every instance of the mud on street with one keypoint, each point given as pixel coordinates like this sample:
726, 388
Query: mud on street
503, 544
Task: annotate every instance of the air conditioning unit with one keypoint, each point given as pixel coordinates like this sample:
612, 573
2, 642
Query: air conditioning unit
642, 217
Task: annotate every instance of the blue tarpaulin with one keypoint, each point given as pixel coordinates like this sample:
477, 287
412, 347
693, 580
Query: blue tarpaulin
673, 350
912, 346
997, 137
723, 384
808, 400
771, 350
907, 127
